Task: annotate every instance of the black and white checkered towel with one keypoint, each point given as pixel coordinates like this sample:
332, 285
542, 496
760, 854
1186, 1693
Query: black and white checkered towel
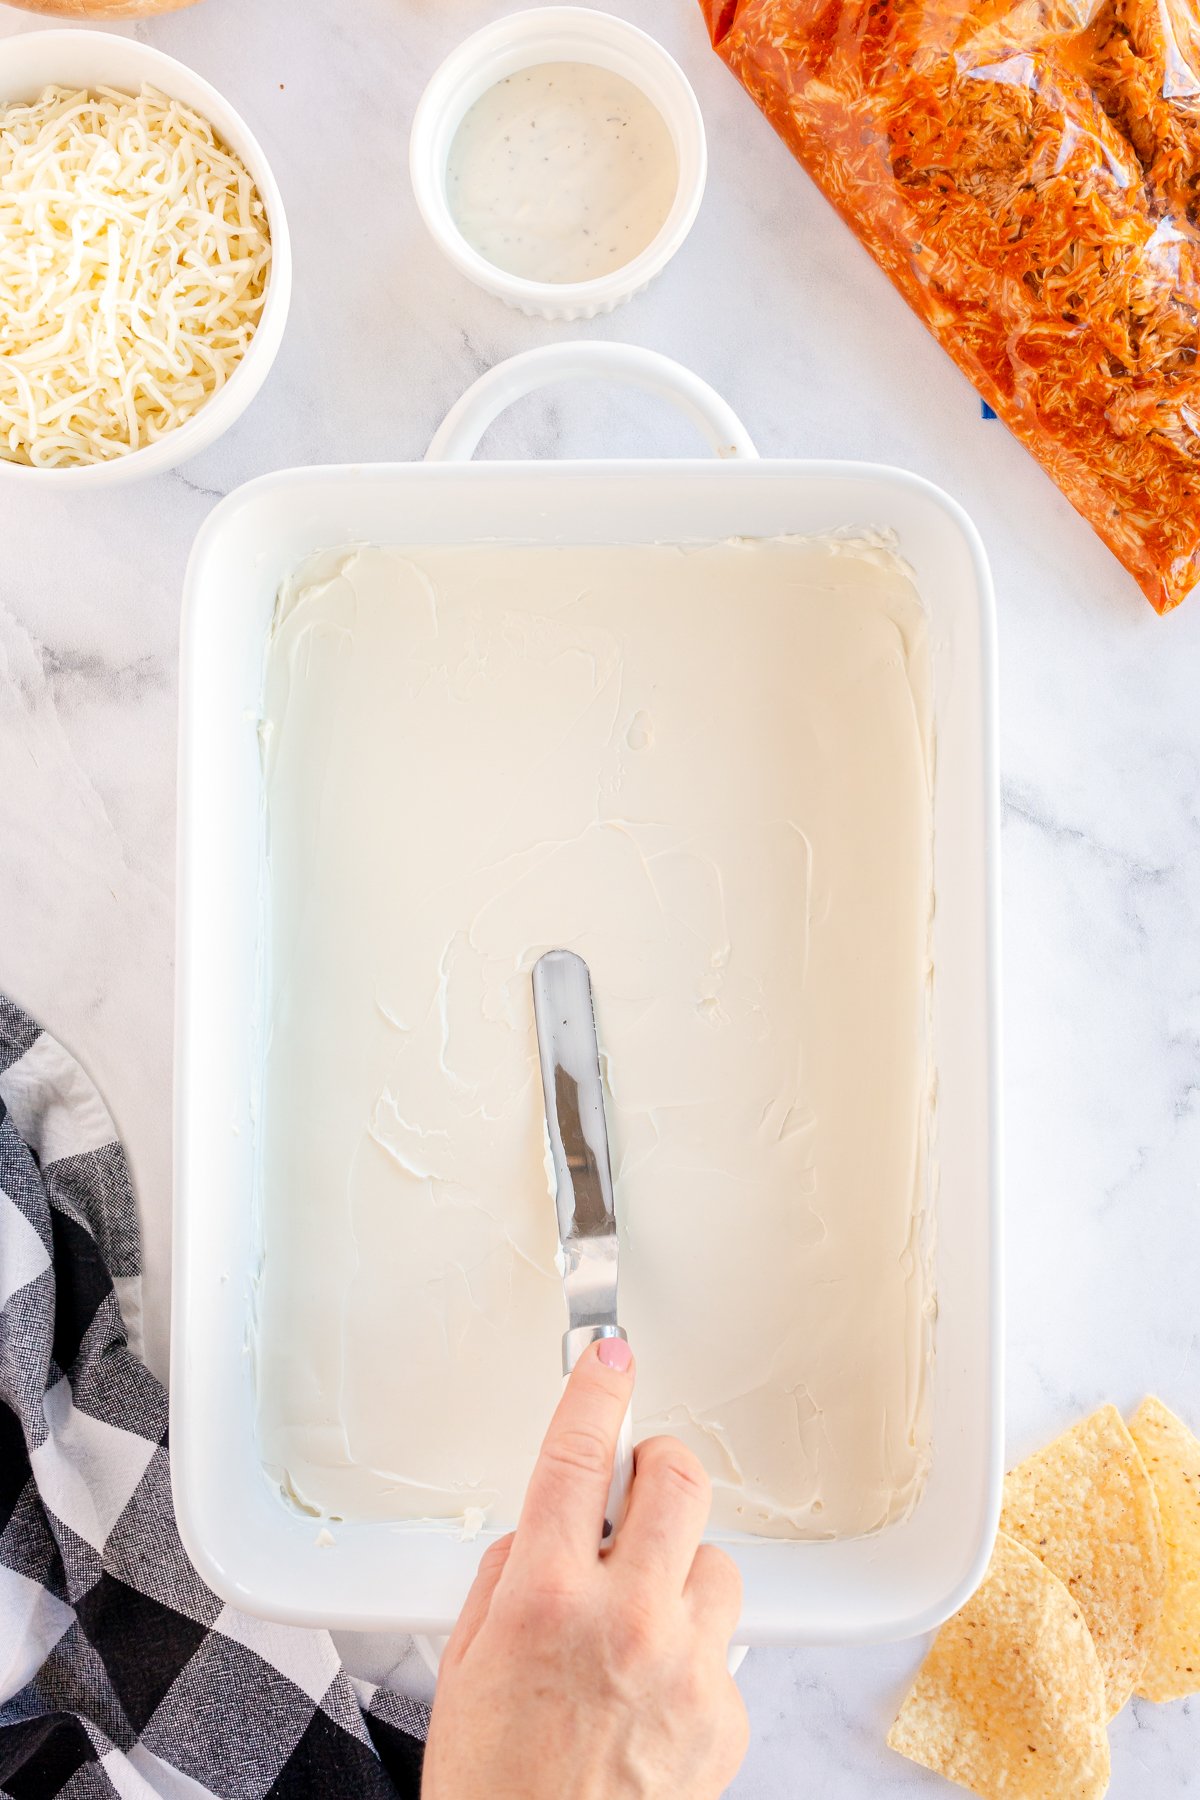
120, 1672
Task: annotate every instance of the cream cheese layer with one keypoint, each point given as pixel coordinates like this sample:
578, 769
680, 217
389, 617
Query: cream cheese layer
708, 770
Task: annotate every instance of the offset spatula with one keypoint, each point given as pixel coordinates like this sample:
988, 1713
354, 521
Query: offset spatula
587, 1226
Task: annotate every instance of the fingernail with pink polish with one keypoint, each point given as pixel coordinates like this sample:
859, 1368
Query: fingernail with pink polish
614, 1353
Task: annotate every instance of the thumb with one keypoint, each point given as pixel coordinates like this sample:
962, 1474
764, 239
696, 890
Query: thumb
492, 1565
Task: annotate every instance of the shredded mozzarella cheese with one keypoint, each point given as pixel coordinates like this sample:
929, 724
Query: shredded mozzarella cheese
134, 259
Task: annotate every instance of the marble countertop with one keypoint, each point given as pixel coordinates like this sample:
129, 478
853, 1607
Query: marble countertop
774, 303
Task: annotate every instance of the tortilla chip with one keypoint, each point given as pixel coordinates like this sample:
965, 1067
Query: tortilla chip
1010, 1700
1086, 1506
1172, 1455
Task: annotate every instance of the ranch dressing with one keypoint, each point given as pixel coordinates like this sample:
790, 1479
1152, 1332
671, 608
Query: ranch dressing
561, 172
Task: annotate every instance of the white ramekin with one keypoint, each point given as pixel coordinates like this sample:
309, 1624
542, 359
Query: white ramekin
90, 59
556, 34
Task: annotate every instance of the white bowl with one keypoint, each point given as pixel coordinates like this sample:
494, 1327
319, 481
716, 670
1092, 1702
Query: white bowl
556, 34
90, 59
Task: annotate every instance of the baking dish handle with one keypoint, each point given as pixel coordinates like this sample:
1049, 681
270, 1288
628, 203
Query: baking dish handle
457, 437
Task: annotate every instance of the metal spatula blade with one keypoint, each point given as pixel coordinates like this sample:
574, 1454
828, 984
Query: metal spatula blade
587, 1226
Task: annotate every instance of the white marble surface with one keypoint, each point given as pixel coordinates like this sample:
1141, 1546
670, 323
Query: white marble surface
773, 302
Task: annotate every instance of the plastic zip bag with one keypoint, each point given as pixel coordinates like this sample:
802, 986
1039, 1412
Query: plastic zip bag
1028, 175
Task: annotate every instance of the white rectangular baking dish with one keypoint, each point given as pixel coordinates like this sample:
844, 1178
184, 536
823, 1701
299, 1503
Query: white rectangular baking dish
246, 1542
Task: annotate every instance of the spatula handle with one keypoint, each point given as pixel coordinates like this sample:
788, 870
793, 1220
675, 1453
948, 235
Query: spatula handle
622, 1477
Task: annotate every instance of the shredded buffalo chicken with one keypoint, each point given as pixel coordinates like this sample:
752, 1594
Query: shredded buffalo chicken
1029, 176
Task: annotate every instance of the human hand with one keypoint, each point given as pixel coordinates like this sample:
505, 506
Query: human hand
599, 1677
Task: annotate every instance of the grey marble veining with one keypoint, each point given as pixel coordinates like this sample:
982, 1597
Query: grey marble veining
773, 302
